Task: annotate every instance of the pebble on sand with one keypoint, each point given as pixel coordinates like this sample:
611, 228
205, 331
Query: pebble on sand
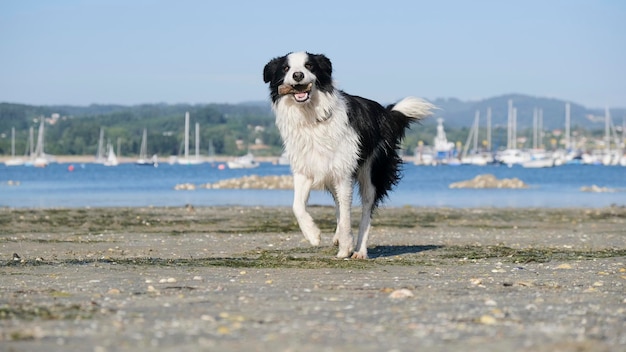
401, 293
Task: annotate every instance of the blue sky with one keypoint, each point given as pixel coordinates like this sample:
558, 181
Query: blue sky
139, 51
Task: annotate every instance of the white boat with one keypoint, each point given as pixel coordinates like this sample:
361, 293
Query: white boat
546, 161
479, 159
444, 150
211, 158
152, 161
474, 156
423, 155
13, 161
511, 157
143, 153
186, 160
613, 153
243, 162
111, 159
283, 159
39, 158
101, 153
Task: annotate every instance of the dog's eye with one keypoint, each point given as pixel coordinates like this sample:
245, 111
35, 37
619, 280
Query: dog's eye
286, 68
308, 66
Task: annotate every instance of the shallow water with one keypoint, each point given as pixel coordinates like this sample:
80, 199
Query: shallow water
93, 185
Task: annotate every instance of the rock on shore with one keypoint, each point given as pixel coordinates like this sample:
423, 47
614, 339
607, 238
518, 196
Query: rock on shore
489, 181
246, 182
254, 182
597, 189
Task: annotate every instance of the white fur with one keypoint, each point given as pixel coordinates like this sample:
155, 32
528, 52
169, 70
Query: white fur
323, 152
296, 63
414, 108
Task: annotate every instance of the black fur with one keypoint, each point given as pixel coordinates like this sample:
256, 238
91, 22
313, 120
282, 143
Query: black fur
380, 131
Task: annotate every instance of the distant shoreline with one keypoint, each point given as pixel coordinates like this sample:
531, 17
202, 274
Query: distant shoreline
90, 159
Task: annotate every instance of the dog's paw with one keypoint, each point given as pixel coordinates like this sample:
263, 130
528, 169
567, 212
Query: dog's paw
359, 255
344, 253
314, 239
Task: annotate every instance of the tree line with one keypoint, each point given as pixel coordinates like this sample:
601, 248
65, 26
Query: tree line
229, 128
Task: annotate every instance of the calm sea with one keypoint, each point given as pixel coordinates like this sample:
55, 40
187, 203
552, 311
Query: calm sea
129, 185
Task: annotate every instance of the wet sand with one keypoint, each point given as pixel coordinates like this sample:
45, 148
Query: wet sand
243, 278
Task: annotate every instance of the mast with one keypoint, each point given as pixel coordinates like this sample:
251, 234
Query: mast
472, 137
476, 117
197, 141
567, 126
514, 129
540, 132
535, 127
100, 154
489, 128
31, 145
607, 130
13, 142
39, 150
187, 135
509, 124
143, 150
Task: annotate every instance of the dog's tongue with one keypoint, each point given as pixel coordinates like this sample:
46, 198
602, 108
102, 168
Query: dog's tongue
301, 96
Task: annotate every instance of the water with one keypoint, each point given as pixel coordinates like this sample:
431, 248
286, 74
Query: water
129, 185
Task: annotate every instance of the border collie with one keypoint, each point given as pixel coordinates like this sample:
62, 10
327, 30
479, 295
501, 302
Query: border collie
334, 140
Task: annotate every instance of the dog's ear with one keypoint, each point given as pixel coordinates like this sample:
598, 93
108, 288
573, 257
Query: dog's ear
323, 63
270, 69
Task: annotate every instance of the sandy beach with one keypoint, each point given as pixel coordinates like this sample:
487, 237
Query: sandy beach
243, 278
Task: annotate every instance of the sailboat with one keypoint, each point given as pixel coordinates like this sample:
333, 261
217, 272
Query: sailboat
187, 160
13, 161
475, 157
539, 158
39, 157
143, 152
611, 155
512, 155
111, 159
100, 154
243, 162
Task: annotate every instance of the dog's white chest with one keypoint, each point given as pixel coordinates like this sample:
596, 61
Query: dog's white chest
319, 149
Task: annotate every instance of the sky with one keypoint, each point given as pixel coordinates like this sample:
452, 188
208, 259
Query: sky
128, 52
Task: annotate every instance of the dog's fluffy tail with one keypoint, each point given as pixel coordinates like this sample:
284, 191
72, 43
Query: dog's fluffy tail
414, 108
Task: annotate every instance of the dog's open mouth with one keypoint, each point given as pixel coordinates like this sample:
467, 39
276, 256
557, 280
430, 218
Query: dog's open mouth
300, 91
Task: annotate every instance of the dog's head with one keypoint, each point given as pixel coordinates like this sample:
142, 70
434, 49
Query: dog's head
298, 76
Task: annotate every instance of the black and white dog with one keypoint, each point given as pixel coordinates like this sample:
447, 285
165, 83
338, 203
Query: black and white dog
334, 139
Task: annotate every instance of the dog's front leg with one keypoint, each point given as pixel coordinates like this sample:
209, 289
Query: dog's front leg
343, 234
301, 191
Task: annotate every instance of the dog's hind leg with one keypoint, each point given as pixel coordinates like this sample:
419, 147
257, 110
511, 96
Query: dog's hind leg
331, 190
368, 198
301, 191
343, 234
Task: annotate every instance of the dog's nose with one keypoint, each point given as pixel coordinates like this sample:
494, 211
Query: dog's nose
298, 76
